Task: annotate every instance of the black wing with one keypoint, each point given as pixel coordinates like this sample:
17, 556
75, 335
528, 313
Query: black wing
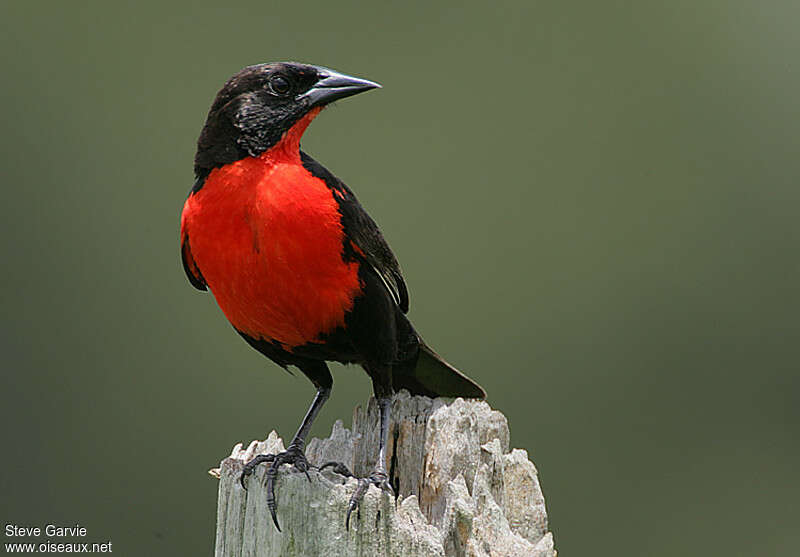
362, 231
190, 267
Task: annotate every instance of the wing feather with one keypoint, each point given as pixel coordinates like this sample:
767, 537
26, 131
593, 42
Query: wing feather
363, 233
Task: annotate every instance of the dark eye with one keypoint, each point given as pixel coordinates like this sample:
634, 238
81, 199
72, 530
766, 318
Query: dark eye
279, 84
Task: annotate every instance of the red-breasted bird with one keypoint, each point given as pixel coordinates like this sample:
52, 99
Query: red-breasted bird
295, 263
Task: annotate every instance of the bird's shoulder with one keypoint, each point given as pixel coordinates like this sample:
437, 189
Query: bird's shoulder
362, 233
189, 265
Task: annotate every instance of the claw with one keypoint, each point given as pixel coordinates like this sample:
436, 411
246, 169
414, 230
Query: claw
251, 466
355, 499
272, 472
303, 466
338, 468
291, 456
379, 479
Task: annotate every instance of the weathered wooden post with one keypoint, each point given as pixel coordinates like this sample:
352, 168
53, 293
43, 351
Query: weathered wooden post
462, 491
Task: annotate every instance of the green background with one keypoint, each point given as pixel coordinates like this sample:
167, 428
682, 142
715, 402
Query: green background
595, 205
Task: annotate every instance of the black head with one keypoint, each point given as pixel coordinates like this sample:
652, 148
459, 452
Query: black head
259, 104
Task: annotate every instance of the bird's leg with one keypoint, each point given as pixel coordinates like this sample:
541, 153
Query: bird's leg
379, 477
294, 454
382, 387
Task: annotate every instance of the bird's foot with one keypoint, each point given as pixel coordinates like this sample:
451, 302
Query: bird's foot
338, 468
293, 455
378, 478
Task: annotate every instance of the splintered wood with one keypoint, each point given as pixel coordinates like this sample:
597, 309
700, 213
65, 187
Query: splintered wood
462, 492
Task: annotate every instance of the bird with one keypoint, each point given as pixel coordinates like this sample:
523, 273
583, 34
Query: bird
293, 260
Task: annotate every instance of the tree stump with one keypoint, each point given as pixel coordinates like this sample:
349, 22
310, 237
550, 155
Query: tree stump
461, 491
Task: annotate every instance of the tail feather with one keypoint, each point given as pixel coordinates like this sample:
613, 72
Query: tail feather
431, 375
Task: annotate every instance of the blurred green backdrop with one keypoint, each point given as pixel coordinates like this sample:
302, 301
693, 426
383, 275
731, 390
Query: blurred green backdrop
595, 205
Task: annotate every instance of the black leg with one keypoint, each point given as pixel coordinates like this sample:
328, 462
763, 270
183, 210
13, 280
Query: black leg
299, 441
320, 375
382, 386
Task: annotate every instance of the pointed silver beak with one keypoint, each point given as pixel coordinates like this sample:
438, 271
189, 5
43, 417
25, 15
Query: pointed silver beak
332, 86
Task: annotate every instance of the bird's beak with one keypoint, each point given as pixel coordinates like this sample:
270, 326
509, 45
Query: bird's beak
332, 86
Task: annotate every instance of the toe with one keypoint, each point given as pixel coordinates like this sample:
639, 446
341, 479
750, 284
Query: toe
272, 473
338, 468
355, 499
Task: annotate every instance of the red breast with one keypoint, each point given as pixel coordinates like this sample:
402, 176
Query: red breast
267, 237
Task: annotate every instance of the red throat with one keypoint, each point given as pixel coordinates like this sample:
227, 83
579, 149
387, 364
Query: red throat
288, 147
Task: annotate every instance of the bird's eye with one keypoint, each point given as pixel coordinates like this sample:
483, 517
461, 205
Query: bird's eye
279, 85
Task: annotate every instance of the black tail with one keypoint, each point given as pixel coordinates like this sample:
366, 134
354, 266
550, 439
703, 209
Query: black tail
430, 375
